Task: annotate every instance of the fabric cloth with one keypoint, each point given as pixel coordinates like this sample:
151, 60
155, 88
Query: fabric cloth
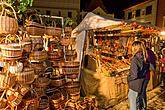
132, 97
151, 59
134, 82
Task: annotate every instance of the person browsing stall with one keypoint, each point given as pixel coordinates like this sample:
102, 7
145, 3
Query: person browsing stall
134, 78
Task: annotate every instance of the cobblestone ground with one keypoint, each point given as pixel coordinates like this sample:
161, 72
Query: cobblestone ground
156, 100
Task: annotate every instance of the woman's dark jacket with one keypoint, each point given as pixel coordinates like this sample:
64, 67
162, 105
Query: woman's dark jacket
134, 82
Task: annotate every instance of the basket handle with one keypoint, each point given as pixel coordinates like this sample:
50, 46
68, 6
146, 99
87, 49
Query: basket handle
53, 23
36, 15
62, 96
75, 104
4, 3
7, 38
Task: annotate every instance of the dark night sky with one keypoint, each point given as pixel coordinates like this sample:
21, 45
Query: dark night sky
115, 6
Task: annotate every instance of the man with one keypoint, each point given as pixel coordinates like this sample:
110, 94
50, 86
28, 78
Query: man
152, 60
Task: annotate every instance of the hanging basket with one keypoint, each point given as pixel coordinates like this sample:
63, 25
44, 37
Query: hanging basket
34, 28
11, 50
8, 25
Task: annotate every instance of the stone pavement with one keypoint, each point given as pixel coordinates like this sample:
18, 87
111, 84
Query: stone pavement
156, 100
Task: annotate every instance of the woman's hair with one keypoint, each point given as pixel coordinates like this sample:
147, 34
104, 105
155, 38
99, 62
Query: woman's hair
139, 47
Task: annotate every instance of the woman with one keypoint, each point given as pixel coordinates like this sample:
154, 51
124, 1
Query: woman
134, 81
162, 60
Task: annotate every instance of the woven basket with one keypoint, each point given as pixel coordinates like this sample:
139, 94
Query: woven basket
34, 28
14, 98
72, 87
68, 41
51, 30
26, 76
42, 82
11, 50
71, 64
8, 25
7, 80
57, 79
57, 99
38, 56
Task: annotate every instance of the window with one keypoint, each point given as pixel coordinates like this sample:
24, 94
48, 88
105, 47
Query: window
48, 12
148, 9
59, 13
129, 15
70, 14
138, 13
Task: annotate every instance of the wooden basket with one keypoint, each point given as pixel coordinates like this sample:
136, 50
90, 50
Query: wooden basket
57, 79
38, 68
71, 73
71, 64
71, 52
7, 80
34, 28
38, 56
51, 30
26, 76
72, 87
11, 50
8, 25
41, 82
67, 41
57, 99
14, 98
31, 101
44, 103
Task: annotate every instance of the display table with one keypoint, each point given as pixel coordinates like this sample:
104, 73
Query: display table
109, 90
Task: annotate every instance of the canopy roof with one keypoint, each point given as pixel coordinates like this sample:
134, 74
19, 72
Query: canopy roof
93, 21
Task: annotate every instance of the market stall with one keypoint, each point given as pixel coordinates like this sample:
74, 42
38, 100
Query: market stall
104, 50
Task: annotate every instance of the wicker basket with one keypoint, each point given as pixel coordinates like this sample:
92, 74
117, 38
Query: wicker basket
44, 103
41, 82
8, 25
68, 41
72, 87
7, 80
38, 68
11, 50
71, 52
57, 79
34, 28
14, 98
26, 76
3, 101
38, 56
31, 102
51, 30
71, 64
57, 99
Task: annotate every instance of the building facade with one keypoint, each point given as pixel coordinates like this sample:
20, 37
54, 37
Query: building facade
64, 8
143, 12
